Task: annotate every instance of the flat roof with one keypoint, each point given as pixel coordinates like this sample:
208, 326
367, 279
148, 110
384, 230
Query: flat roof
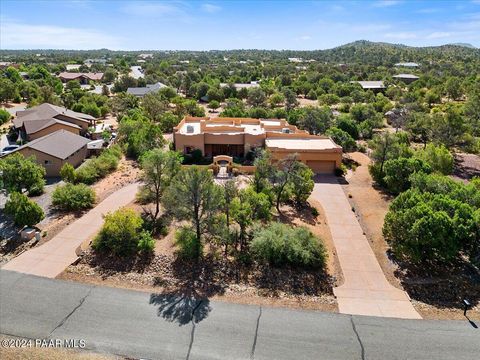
301, 143
406, 76
371, 84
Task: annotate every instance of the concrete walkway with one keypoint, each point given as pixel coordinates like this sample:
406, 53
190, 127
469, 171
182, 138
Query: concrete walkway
365, 291
51, 258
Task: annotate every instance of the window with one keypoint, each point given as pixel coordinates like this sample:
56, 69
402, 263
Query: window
47, 162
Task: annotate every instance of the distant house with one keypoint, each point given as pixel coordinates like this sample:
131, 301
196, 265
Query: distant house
52, 151
47, 118
406, 78
142, 91
83, 78
145, 56
407, 64
238, 86
371, 85
90, 62
72, 67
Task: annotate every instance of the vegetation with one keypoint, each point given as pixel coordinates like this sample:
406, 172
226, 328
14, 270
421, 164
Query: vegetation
435, 221
97, 168
19, 173
280, 244
25, 212
70, 197
122, 234
4, 116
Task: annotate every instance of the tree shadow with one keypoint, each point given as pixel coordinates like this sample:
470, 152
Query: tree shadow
181, 308
329, 179
445, 286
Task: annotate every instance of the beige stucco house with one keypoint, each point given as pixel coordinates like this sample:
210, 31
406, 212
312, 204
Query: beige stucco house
237, 136
55, 149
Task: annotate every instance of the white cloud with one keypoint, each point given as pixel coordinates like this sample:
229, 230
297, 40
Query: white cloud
438, 35
403, 35
304, 37
16, 35
210, 8
386, 3
428, 11
151, 9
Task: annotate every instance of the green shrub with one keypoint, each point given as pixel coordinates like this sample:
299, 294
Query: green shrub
121, 234
4, 116
279, 245
25, 212
73, 197
97, 168
188, 245
146, 243
398, 172
438, 157
67, 172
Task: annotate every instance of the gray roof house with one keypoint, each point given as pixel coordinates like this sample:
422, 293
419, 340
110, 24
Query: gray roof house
142, 91
371, 85
407, 64
39, 118
406, 78
52, 151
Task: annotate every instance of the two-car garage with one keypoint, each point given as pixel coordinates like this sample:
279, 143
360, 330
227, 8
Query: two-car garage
321, 154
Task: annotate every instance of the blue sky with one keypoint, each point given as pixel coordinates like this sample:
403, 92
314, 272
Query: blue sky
206, 25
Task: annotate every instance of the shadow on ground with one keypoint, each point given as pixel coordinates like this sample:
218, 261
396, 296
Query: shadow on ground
181, 308
445, 287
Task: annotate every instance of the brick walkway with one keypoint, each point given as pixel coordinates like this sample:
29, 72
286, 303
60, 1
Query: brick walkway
51, 258
365, 291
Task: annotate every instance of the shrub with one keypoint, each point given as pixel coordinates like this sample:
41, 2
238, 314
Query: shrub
146, 243
97, 168
25, 212
342, 138
398, 172
4, 116
73, 197
438, 157
121, 233
67, 172
279, 245
188, 245
19, 173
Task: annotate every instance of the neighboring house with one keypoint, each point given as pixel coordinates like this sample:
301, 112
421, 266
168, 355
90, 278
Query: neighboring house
46, 118
371, 85
406, 78
142, 91
89, 62
407, 64
52, 151
71, 67
238, 86
136, 72
82, 78
237, 136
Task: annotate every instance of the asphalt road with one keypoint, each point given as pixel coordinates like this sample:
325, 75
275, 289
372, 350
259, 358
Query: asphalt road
154, 326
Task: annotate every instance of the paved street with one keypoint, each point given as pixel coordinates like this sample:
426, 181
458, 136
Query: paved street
154, 326
51, 258
366, 291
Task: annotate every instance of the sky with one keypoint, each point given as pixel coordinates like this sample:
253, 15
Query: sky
219, 25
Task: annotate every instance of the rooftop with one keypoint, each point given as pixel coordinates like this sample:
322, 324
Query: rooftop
371, 84
76, 75
47, 111
301, 143
142, 91
405, 76
60, 144
407, 64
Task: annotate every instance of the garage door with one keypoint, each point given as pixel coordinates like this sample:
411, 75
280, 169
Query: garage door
321, 167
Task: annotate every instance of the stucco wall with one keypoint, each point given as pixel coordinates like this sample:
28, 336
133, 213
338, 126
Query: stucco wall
54, 164
84, 125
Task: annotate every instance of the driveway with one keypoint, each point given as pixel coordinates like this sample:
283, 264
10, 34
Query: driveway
51, 258
365, 291
142, 325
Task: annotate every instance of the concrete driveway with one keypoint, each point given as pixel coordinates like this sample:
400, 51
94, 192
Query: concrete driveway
51, 258
366, 291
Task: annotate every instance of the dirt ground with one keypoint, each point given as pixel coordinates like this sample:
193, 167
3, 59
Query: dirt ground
222, 279
371, 206
466, 166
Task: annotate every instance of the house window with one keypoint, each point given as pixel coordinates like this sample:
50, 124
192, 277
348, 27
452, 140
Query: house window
47, 163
